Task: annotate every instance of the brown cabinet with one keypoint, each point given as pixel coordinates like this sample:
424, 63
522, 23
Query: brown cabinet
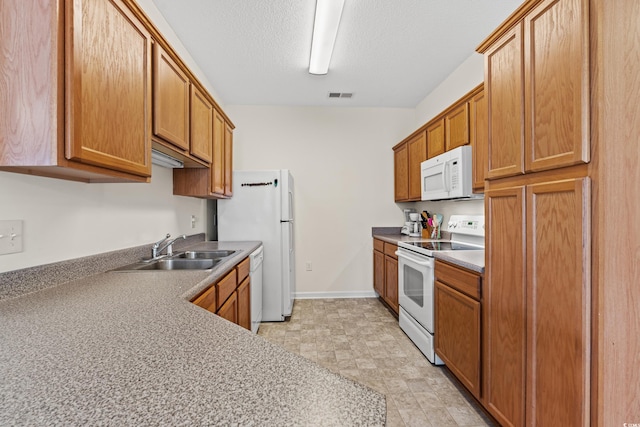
407, 158
230, 297
228, 160
479, 138
170, 100
217, 166
537, 303
457, 126
385, 273
201, 125
537, 79
85, 97
435, 138
458, 323
401, 172
244, 304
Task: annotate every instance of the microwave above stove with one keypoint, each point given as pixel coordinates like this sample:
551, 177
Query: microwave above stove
448, 176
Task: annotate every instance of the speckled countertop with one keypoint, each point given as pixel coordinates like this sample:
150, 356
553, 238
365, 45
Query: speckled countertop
128, 348
471, 260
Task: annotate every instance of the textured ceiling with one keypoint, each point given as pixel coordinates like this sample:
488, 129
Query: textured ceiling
389, 53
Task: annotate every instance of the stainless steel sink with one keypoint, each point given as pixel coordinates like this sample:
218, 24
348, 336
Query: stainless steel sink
190, 260
216, 254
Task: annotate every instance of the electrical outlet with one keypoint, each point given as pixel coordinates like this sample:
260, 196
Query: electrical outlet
193, 221
309, 266
10, 237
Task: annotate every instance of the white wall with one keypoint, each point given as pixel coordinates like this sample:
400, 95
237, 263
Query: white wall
464, 78
342, 164
65, 219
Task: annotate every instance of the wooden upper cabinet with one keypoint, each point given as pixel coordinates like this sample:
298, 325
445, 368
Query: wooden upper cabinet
171, 100
108, 88
457, 127
228, 160
417, 154
201, 125
79, 109
478, 122
558, 303
217, 165
401, 172
504, 80
556, 57
435, 139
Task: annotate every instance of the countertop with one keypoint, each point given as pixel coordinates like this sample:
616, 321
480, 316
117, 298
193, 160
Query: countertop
128, 348
471, 260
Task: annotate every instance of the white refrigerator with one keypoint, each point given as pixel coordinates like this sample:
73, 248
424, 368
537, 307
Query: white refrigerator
261, 208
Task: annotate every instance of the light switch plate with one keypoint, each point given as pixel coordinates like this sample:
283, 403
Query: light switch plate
10, 237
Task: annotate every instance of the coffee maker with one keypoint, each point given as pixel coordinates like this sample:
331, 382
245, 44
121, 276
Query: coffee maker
412, 225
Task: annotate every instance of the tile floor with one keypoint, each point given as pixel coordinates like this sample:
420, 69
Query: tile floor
361, 340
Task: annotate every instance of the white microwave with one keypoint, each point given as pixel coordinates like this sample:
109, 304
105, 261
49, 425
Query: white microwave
448, 176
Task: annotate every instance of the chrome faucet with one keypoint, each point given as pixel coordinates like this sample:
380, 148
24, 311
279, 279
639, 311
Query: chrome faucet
158, 247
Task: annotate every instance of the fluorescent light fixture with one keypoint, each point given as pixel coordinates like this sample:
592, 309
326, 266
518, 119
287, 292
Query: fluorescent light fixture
165, 160
325, 29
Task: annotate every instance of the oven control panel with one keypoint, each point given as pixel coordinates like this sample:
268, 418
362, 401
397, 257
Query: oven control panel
472, 225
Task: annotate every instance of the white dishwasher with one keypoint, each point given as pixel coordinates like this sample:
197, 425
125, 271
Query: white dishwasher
255, 268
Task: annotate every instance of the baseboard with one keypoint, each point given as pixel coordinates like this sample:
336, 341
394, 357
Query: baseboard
335, 295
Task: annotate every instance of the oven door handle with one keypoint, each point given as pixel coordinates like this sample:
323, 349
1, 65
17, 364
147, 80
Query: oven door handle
421, 260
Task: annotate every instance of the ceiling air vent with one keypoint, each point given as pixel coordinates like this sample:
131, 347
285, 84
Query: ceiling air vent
340, 94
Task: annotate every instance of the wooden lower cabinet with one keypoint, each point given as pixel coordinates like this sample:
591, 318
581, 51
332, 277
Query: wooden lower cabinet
458, 324
230, 297
229, 309
385, 273
537, 304
244, 304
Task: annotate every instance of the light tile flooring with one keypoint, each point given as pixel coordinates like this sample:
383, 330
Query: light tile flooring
361, 340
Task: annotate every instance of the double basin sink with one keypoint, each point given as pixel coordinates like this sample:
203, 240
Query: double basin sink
189, 260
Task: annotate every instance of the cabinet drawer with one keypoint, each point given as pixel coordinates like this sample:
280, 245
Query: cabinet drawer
243, 270
226, 286
464, 281
378, 245
207, 299
390, 249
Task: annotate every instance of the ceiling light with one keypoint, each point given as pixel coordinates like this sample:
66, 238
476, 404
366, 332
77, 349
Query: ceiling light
325, 29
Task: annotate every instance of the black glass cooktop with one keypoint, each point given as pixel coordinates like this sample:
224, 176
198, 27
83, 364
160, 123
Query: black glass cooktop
443, 246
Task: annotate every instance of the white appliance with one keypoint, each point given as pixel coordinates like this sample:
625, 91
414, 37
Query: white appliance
416, 291
255, 273
448, 176
262, 209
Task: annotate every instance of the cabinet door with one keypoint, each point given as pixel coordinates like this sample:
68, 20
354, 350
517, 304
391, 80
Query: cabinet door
457, 127
378, 272
479, 139
435, 139
207, 300
108, 86
217, 165
391, 282
201, 125
457, 337
229, 309
228, 160
556, 40
170, 100
417, 154
504, 80
558, 303
244, 304
504, 325
401, 172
